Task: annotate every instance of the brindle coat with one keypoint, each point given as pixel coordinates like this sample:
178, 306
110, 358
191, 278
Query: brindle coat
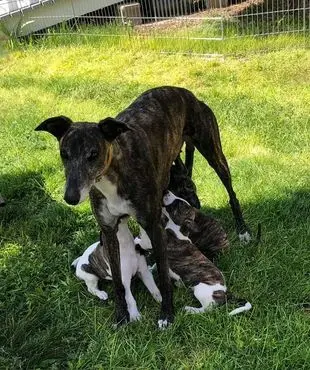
193, 267
144, 141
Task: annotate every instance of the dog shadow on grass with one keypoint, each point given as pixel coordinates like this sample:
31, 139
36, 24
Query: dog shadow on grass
32, 214
39, 294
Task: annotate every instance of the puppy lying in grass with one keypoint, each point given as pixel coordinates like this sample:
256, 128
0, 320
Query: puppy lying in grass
94, 265
188, 263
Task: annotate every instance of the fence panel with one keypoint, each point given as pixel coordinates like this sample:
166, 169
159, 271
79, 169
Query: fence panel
194, 20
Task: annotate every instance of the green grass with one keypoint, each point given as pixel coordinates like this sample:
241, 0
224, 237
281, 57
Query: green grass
231, 36
48, 320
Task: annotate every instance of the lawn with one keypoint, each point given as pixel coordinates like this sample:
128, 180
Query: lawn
48, 319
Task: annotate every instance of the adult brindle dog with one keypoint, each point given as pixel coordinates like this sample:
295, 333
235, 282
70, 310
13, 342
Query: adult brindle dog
124, 165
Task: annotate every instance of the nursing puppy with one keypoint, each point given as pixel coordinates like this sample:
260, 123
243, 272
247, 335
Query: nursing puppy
181, 184
186, 261
204, 231
94, 265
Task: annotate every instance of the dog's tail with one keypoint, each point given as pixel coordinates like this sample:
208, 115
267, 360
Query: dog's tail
243, 304
258, 235
75, 262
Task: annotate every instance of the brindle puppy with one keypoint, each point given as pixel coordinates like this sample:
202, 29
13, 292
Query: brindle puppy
188, 264
181, 184
204, 231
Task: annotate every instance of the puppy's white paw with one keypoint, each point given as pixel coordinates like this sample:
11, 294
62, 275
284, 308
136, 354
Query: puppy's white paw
190, 309
245, 237
157, 296
101, 294
135, 315
163, 324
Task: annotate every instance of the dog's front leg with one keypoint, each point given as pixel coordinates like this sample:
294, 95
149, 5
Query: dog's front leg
111, 241
157, 236
108, 224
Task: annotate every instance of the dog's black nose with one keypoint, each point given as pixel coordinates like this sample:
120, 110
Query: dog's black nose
72, 197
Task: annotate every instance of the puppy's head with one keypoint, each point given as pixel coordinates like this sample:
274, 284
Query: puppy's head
85, 149
180, 212
181, 184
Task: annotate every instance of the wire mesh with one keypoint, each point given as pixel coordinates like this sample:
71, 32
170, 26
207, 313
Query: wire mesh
166, 19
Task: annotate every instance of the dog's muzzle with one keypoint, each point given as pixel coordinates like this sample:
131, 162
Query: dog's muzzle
72, 197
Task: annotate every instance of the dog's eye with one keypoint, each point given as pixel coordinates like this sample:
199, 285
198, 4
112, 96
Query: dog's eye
64, 154
92, 156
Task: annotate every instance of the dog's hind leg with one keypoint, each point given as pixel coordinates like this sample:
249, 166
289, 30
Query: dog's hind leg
204, 293
91, 282
209, 296
207, 141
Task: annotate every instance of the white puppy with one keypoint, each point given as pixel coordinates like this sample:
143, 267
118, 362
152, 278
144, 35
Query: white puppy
94, 265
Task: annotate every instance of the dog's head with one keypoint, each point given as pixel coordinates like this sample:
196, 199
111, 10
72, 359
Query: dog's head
181, 184
85, 149
180, 212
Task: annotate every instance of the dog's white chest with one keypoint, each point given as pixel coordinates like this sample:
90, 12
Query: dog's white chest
116, 205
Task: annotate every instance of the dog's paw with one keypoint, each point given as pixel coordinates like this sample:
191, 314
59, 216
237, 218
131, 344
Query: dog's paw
163, 324
135, 315
245, 238
102, 295
190, 309
157, 296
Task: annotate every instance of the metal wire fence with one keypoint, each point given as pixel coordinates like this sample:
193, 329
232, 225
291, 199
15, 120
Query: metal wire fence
165, 19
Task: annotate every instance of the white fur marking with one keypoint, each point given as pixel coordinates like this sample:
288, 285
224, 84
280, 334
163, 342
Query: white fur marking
162, 324
174, 276
116, 205
175, 228
145, 241
169, 198
245, 237
190, 309
204, 293
75, 262
238, 310
84, 194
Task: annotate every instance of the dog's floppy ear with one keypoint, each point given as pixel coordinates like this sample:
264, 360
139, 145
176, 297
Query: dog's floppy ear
56, 126
111, 128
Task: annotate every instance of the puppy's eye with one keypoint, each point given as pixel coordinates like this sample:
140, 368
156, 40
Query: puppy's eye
64, 154
92, 155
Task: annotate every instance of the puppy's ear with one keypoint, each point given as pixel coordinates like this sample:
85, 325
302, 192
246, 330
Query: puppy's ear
56, 126
111, 128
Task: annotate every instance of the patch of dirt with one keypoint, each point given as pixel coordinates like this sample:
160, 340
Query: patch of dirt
194, 19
